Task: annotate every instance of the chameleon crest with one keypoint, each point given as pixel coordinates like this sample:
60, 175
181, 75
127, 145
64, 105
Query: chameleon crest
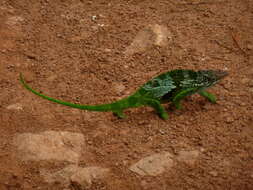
171, 86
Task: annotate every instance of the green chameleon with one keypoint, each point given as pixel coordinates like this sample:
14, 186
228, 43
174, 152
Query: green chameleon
172, 86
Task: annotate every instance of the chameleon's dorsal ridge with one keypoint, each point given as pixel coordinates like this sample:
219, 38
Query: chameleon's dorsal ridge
172, 86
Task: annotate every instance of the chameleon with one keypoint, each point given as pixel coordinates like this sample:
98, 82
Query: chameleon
171, 86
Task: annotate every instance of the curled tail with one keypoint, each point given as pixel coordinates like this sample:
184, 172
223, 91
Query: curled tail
121, 104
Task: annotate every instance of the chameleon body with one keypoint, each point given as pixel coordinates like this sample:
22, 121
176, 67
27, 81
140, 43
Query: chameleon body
171, 86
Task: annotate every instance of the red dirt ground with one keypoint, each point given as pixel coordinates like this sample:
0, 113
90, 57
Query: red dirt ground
67, 54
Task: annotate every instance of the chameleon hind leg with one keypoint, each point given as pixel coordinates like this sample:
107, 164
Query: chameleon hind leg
158, 107
119, 114
181, 95
208, 96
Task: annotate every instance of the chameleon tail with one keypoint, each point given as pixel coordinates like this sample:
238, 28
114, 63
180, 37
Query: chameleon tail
115, 107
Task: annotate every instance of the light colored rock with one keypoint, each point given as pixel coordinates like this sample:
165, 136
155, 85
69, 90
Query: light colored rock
82, 177
188, 157
141, 42
16, 106
153, 165
49, 145
151, 35
162, 35
62, 176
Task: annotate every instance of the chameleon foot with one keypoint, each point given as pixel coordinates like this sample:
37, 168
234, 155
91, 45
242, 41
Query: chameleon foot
164, 115
208, 96
176, 100
158, 107
119, 114
178, 105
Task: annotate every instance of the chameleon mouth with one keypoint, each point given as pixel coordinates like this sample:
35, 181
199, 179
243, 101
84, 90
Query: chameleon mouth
220, 74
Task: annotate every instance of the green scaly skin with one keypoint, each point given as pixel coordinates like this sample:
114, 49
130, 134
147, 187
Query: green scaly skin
172, 86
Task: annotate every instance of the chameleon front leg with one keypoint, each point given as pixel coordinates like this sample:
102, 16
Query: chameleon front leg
158, 107
181, 95
208, 96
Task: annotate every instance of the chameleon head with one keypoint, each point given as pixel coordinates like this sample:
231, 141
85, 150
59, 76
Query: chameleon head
211, 77
219, 74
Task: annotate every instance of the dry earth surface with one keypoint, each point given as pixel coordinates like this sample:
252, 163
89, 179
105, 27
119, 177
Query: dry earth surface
93, 52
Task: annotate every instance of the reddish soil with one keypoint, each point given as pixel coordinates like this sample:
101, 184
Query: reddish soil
67, 53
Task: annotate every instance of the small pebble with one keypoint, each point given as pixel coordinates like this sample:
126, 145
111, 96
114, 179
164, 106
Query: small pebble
214, 173
242, 104
251, 90
250, 83
245, 80
161, 132
107, 50
229, 119
94, 17
16, 106
249, 46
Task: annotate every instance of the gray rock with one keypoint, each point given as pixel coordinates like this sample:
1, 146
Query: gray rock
153, 165
49, 145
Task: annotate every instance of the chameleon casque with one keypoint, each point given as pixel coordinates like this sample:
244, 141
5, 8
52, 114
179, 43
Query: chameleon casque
171, 86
